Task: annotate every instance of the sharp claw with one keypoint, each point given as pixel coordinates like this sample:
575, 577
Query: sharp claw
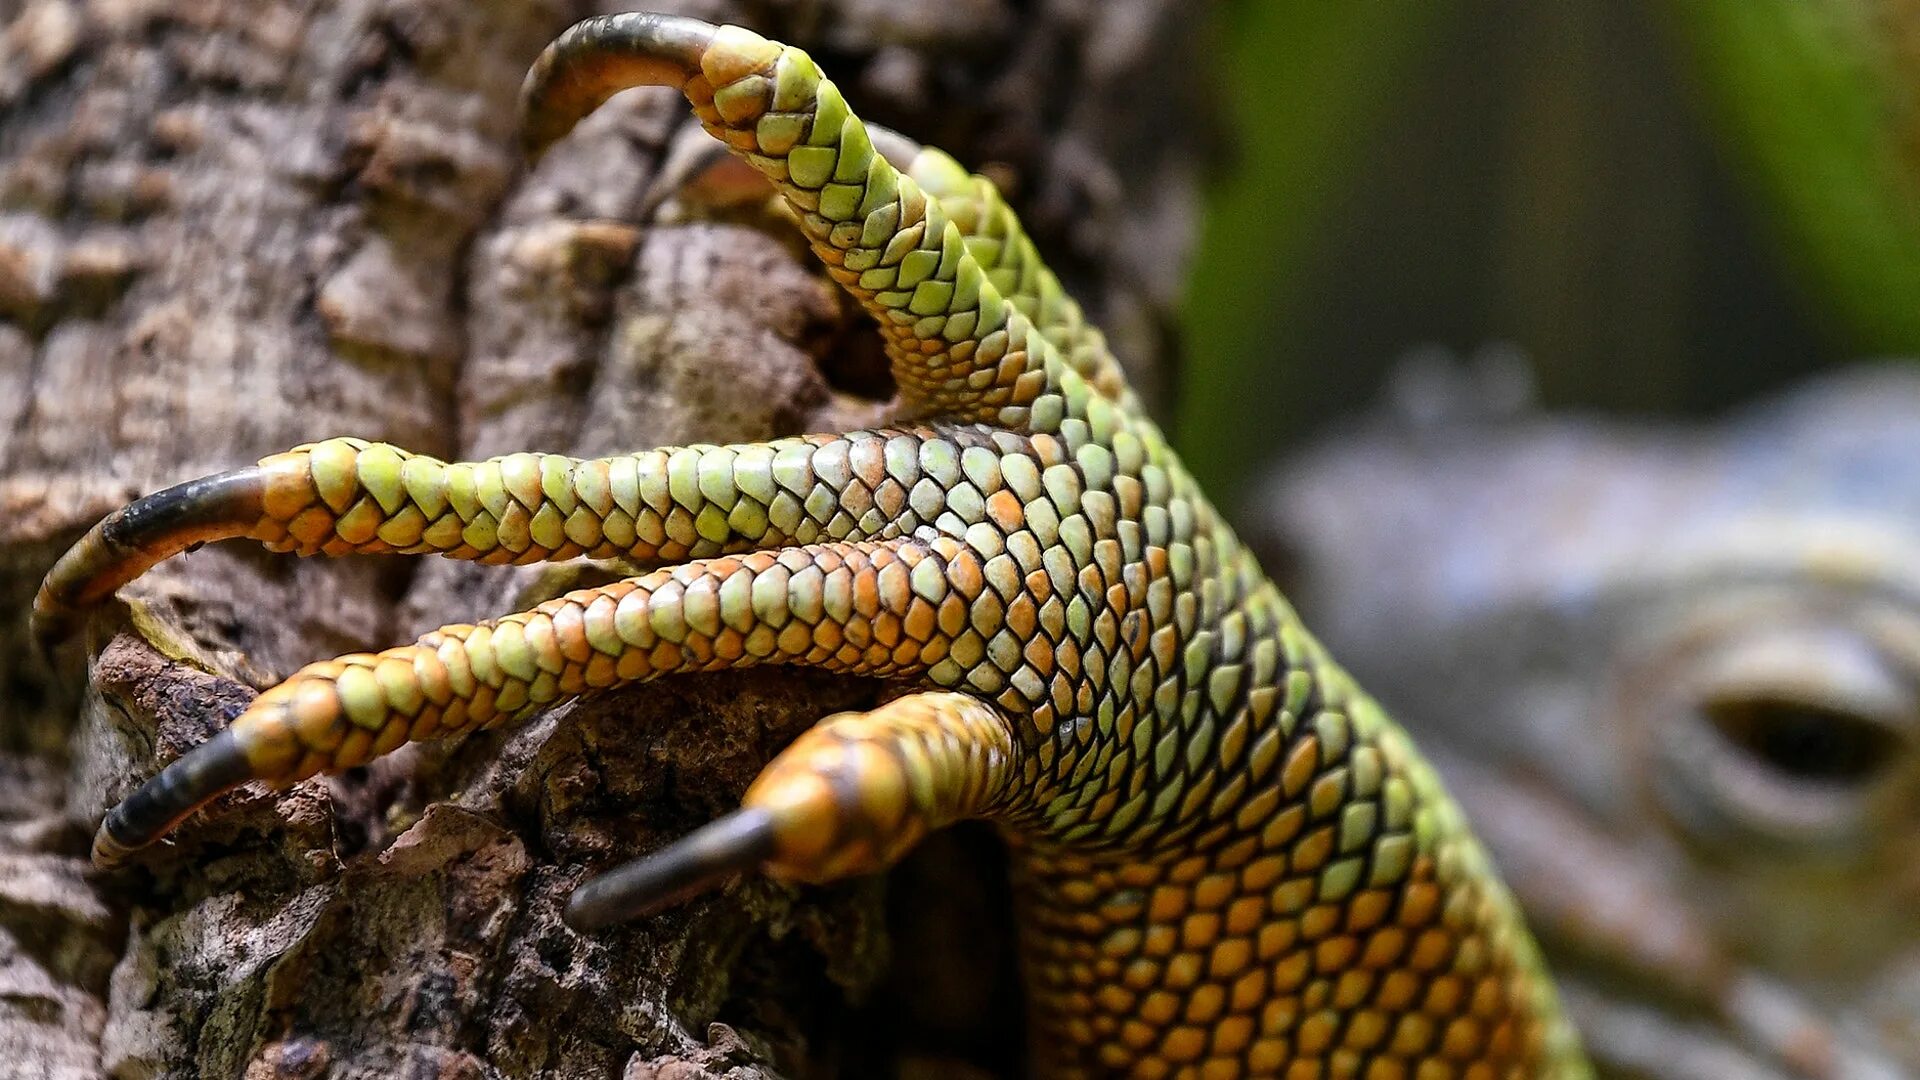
46, 631
689, 866
185, 785
133, 538
56, 616
597, 58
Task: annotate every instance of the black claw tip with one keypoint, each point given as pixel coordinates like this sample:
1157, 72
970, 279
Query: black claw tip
200, 775
689, 866
599, 57
131, 539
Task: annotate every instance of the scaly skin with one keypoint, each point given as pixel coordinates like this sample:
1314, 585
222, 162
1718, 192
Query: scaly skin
1230, 862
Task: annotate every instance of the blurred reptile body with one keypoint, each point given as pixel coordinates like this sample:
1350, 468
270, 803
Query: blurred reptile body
1229, 861
1692, 741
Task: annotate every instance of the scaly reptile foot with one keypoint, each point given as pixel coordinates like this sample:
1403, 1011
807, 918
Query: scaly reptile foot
1232, 863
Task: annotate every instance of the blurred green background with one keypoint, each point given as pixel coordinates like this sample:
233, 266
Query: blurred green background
1666, 205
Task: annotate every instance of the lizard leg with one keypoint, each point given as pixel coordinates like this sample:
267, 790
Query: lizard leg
850, 796
989, 229
865, 608
346, 496
959, 349
993, 236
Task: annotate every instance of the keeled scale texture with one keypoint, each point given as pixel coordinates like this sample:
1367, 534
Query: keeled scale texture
1231, 863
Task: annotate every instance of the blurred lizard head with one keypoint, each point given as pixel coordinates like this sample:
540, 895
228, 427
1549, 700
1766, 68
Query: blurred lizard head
1673, 673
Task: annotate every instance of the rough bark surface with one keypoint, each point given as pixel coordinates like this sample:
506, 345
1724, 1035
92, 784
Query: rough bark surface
230, 226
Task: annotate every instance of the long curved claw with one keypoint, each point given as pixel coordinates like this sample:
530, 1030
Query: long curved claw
129, 541
846, 607
733, 845
959, 350
351, 497
596, 59
850, 796
191, 781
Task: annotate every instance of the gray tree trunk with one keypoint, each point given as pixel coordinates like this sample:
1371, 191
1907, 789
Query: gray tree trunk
231, 226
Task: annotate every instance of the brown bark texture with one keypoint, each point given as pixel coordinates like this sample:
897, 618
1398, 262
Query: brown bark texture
231, 226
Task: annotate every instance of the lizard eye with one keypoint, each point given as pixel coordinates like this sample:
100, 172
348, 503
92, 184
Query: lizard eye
1811, 742
1786, 739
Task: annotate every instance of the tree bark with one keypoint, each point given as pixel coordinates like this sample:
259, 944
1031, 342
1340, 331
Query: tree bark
231, 226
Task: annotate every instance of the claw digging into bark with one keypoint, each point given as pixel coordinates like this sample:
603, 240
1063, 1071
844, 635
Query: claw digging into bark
735, 844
